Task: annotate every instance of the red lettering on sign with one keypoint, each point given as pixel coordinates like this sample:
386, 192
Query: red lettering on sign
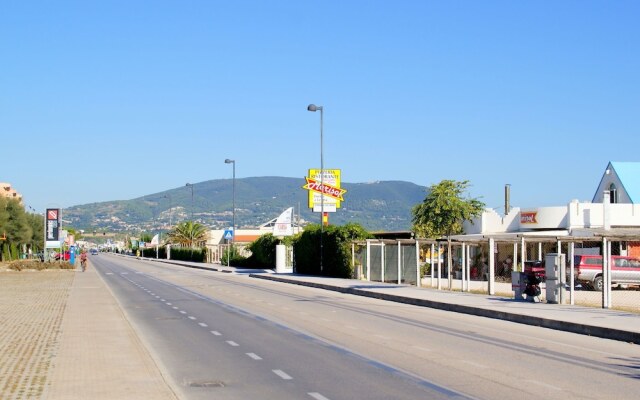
324, 188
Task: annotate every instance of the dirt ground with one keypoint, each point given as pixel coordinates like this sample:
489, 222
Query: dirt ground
32, 304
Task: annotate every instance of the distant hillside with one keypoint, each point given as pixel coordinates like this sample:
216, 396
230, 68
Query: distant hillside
378, 206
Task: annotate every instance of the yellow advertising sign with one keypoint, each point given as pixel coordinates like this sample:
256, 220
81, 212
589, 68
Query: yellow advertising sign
330, 187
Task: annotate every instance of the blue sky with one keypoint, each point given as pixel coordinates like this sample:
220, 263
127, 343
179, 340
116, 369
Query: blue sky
114, 100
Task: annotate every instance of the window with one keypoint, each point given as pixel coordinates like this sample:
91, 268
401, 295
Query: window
613, 194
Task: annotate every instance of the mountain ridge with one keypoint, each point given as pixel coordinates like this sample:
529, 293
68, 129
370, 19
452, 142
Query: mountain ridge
378, 205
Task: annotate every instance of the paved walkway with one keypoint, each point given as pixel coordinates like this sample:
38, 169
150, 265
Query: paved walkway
99, 355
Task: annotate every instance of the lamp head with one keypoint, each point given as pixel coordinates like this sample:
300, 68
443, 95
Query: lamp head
228, 161
313, 107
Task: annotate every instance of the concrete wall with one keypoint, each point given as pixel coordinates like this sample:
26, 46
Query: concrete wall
574, 215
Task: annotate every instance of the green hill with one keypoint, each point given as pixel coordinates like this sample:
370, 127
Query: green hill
378, 206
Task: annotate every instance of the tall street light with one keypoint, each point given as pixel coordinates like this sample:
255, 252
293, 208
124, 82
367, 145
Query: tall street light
314, 108
233, 226
191, 186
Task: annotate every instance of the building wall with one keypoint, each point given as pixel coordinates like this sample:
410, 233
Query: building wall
574, 215
611, 177
7, 191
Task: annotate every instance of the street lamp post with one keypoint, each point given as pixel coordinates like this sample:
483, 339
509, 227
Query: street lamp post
191, 186
233, 226
314, 108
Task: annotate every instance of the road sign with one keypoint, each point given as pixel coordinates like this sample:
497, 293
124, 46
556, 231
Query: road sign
228, 234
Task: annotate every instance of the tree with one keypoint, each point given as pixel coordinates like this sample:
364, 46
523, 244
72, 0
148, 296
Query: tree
443, 212
18, 229
188, 234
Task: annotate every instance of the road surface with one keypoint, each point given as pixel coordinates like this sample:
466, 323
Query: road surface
228, 336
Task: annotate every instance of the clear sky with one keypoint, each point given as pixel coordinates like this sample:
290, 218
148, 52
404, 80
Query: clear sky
117, 99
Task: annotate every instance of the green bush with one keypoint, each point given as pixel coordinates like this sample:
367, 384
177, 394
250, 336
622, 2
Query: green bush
151, 253
234, 258
425, 270
187, 254
263, 252
336, 243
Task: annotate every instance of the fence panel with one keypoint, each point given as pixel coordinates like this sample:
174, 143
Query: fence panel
409, 264
391, 262
375, 262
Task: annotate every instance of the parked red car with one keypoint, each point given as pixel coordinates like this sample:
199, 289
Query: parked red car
624, 270
67, 256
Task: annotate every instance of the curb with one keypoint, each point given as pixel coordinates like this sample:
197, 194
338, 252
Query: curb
588, 330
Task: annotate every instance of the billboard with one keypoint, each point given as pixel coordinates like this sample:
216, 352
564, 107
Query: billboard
329, 189
52, 228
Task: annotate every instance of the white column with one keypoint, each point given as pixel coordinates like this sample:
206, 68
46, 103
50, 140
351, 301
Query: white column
468, 268
492, 267
368, 260
382, 261
399, 263
540, 252
608, 290
418, 277
431, 264
515, 256
463, 267
439, 272
523, 253
571, 271
605, 267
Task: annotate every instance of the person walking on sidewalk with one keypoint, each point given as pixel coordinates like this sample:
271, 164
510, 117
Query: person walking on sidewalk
83, 260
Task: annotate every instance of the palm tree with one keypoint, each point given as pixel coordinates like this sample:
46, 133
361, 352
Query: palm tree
188, 234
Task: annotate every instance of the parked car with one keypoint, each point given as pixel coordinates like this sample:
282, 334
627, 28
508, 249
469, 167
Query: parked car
93, 252
624, 270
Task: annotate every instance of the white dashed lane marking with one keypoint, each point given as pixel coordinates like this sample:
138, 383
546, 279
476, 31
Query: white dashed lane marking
254, 356
232, 343
183, 312
192, 318
202, 324
317, 396
216, 333
281, 374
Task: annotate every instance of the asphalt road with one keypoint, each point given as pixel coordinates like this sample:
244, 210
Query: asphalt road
228, 336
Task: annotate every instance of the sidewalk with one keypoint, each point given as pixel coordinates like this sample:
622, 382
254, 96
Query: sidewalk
99, 348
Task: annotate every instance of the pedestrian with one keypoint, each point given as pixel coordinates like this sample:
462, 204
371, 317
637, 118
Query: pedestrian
83, 260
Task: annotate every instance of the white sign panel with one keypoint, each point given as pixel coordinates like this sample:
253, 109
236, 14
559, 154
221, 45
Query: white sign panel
283, 226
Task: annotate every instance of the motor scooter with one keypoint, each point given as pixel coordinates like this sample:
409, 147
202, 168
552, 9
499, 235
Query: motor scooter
532, 288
